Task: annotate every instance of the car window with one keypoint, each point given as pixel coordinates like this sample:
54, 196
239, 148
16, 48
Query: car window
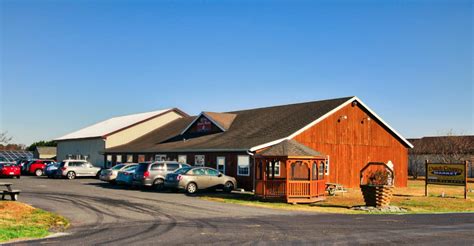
159, 167
118, 167
199, 171
182, 170
130, 168
172, 166
185, 165
212, 172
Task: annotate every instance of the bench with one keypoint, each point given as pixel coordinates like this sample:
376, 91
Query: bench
333, 188
12, 193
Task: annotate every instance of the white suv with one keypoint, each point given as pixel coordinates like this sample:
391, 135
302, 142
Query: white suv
77, 168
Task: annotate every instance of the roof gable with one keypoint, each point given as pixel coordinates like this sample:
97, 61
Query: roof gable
209, 122
115, 124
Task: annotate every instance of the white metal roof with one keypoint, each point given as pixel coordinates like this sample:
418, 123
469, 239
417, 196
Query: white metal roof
111, 125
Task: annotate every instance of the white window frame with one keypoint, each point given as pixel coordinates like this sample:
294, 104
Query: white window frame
160, 157
181, 158
277, 168
220, 164
118, 158
241, 163
109, 158
326, 166
197, 157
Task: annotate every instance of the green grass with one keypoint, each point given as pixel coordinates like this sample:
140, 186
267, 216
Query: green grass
20, 221
410, 198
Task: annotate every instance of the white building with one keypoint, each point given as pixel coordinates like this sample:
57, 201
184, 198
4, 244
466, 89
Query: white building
89, 143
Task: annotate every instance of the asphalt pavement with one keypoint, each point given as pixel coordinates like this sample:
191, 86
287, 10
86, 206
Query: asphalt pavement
103, 214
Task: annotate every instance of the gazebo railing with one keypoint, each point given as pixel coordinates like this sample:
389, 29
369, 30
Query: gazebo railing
296, 188
306, 188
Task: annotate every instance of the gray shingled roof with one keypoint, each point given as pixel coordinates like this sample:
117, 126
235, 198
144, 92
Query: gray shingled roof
290, 148
250, 128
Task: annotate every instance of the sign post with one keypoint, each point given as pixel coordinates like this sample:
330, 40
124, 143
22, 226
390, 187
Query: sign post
454, 174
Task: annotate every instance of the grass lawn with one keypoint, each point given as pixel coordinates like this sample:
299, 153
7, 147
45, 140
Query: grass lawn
411, 198
21, 221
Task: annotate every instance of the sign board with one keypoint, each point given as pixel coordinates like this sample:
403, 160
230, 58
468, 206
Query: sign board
446, 174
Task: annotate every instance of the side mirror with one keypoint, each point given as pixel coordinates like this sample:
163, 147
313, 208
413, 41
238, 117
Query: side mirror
220, 175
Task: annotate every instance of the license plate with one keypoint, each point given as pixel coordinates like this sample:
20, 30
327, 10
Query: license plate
11, 173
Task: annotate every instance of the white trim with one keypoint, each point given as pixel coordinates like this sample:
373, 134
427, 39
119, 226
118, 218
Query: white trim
199, 116
383, 122
326, 116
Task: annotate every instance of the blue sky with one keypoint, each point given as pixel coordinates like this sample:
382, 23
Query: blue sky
68, 64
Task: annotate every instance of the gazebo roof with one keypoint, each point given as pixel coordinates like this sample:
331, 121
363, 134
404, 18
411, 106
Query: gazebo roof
290, 148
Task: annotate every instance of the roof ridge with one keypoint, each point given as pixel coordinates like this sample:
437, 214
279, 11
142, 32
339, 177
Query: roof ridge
291, 104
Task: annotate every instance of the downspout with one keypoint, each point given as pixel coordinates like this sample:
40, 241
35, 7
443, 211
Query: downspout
253, 167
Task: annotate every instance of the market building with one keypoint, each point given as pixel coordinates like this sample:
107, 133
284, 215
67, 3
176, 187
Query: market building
345, 131
90, 142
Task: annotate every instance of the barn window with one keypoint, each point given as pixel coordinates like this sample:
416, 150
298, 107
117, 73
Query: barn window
182, 159
221, 164
199, 160
243, 165
160, 157
129, 158
326, 167
119, 159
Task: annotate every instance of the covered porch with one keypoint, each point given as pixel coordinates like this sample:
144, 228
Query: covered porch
290, 171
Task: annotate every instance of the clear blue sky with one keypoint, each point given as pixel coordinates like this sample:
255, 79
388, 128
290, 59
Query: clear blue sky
68, 64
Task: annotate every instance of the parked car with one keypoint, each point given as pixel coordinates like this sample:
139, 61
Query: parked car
22, 162
51, 169
125, 176
9, 170
36, 167
77, 168
110, 174
199, 178
153, 174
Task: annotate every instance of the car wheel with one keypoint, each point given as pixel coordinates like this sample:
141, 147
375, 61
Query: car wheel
228, 187
191, 188
38, 172
158, 184
71, 175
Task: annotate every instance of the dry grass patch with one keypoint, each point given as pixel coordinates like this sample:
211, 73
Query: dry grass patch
19, 220
411, 198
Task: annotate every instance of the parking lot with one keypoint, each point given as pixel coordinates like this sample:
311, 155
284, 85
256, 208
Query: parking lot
101, 213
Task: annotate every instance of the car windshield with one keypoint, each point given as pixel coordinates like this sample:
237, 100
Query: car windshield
118, 167
182, 170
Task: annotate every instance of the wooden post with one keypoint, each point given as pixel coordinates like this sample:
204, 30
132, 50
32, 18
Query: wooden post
465, 180
287, 188
264, 172
426, 177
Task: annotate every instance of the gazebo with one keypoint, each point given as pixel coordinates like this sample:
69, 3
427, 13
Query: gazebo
290, 171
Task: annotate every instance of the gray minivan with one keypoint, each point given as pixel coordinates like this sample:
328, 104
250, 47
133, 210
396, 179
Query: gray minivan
153, 174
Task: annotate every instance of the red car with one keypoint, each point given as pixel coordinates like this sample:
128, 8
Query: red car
36, 167
9, 170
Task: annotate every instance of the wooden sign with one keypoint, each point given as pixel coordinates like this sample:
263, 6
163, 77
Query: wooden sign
446, 174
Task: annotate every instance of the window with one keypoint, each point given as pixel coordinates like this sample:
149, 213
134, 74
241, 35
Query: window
212, 172
160, 157
326, 167
243, 165
276, 168
172, 166
182, 159
199, 160
159, 167
141, 158
119, 158
221, 164
129, 158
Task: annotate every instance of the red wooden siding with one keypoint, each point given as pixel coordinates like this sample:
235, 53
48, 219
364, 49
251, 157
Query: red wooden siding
353, 142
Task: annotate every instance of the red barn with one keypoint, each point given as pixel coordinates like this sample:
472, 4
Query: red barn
345, 130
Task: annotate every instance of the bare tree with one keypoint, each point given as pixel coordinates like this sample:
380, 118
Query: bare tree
453, 147
4, 138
